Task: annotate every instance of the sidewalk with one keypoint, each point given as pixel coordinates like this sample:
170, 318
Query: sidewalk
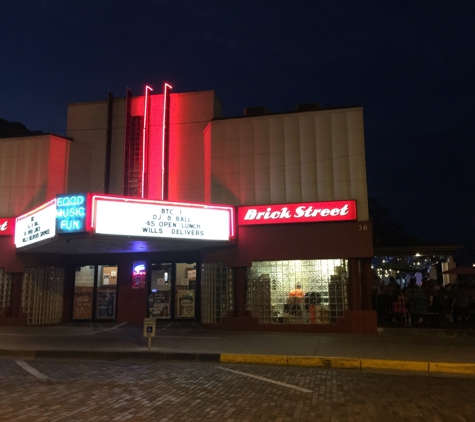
392, 349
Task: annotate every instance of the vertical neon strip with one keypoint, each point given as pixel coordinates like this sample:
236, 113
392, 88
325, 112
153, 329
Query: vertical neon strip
164, 159
144, 140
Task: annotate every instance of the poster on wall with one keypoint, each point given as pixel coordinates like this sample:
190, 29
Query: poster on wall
185, 300
184, 282
106, 304
159, 304
83, 305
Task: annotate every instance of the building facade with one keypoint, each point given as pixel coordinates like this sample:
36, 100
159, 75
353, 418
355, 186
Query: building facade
169, 210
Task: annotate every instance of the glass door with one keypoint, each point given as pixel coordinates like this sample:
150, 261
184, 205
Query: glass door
106, 292
185, 291
95, 292
173, 291
83, 292
160, 299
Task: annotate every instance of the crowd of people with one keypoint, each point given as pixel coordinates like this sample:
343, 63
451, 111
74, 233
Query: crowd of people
428, 303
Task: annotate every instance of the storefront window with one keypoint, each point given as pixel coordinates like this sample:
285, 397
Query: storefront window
217, 287
300, 292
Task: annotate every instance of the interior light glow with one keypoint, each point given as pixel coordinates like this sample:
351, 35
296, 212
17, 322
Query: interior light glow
144, 139
166, 90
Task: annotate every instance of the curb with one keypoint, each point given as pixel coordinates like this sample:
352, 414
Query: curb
281, 360
146, 355
352, 363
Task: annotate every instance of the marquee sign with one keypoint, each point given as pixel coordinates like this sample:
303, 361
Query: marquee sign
305, 212
7, 226
136, 217
36, 225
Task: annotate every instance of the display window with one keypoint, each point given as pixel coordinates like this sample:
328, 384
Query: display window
299, 291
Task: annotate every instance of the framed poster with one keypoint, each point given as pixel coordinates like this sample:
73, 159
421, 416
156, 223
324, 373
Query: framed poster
83, 304
185, 300
106, 304
159, 304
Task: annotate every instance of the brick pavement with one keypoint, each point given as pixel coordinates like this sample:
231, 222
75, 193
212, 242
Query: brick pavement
167, 391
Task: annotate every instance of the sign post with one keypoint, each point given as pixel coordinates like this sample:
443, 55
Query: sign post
149, 330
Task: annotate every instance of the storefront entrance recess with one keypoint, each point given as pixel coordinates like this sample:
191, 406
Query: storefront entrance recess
173, 291
95, 292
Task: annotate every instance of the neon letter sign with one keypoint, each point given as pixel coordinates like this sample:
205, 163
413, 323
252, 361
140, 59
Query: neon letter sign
71, 213
138, 275
308, 212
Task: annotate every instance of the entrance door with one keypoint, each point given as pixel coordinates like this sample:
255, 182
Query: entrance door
173, 291
95, 292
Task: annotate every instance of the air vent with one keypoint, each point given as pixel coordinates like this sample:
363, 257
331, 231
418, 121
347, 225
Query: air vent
256, 111
308, 107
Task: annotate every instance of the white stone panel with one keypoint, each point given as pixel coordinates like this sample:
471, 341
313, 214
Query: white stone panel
357, 166
293, 180
341, 176
261, 161
246, 161
308, 157
324, 161
277, 160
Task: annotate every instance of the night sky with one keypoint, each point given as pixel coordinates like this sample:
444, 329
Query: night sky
410, 64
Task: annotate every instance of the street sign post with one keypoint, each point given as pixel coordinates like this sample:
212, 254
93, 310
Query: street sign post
149, 330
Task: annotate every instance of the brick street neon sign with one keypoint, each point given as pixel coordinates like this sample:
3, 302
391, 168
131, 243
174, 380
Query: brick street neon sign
306, 212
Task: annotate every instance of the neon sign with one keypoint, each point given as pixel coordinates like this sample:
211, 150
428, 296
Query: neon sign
165, 146
138, 274
306, 212
71, 213
144, 140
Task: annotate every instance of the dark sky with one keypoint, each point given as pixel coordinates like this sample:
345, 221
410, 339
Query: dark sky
410, 64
